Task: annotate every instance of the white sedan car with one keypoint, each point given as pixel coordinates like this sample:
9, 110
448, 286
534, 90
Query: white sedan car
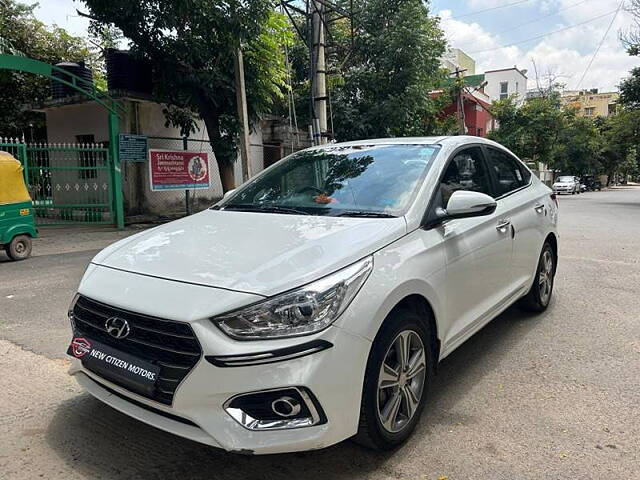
566, 184
314, 303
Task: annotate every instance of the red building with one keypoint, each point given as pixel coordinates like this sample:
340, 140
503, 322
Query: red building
477, 119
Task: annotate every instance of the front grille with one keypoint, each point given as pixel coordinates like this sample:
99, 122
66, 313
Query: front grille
170, 345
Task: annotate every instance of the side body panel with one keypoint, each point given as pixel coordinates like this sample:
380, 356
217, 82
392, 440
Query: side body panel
16, 219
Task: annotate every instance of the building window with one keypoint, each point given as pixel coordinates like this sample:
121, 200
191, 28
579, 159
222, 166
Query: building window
86, 158
590, 111
612, 109
504, 90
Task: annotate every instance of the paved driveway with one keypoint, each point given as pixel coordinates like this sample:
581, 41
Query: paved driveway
553, 396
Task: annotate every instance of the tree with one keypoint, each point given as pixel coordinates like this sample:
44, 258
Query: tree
191, 46
22, 34
621, 140
532, 130
578, 145
632, 38
630, 90
385, 86
380, 79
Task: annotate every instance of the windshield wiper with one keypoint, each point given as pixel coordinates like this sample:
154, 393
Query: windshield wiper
249, 207
364, 213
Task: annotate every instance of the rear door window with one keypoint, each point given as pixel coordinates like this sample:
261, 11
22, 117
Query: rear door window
509, 173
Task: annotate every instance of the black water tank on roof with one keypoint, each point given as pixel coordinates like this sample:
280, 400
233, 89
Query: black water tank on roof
128, 73
60, 90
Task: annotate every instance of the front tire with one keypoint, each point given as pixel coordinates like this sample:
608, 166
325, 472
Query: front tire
399, 371
19, 248
539, 296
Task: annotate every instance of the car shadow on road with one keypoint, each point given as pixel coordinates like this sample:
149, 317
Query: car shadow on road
100, 442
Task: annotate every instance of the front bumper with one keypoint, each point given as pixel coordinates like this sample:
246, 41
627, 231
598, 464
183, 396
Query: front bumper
334, 376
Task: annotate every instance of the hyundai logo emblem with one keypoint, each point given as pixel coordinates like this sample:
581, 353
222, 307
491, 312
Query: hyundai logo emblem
117, 327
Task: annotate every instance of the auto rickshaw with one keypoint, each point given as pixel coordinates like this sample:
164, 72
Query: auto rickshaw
17, 223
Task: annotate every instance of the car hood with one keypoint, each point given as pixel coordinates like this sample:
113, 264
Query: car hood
257, 253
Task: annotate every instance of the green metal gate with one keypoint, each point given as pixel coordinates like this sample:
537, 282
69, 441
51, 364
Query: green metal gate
68, 183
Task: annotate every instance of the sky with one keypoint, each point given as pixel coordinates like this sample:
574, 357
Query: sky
564, 55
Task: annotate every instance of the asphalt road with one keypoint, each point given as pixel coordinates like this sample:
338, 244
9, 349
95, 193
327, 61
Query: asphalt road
529, 397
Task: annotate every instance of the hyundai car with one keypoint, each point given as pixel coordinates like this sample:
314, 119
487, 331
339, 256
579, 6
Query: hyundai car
314, 303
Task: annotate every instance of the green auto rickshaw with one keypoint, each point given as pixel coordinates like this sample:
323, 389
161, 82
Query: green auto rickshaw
17, 224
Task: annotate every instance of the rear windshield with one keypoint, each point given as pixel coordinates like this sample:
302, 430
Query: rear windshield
565, 179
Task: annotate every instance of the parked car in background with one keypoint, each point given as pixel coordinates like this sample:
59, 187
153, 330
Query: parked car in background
313, 303
566, 184
592, 183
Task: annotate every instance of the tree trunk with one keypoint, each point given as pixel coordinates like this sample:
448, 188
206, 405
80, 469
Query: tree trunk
227, 176
225, 165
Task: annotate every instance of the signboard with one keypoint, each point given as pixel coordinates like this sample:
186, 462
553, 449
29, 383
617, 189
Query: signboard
178, 170
133, 148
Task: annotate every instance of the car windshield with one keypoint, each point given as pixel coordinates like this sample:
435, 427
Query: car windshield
565, 179
367, 180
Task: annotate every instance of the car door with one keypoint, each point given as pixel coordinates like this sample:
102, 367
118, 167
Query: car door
523, 205
477, 250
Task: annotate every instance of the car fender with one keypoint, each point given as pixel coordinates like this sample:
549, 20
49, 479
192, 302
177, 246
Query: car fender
399, 272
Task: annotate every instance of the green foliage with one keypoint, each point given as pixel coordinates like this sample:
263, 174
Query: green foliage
578, 145
392, 69
532, 130
630, 90
191, 46
541, 130
621, 141
380, 83
21, 33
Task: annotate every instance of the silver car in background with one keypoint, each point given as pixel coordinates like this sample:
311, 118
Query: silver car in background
566, 184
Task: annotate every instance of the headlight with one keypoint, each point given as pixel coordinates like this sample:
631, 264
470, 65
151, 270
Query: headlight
302, 311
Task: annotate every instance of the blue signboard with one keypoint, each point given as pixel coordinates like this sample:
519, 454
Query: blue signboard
133, 148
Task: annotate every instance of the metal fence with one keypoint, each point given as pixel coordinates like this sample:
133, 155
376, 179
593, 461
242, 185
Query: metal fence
68, 183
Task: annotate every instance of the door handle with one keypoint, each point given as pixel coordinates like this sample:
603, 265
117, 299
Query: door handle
539, 207
503, 225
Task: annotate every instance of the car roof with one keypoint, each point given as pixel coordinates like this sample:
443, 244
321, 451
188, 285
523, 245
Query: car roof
452, 141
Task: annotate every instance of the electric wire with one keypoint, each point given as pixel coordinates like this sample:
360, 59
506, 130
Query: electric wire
535, 20
537, 37
595, 53
477, 12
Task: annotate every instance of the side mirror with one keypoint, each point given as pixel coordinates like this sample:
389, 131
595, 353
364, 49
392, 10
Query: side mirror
466, 204
228, 193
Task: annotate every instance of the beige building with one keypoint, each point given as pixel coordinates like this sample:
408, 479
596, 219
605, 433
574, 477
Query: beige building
591, 103
454, 59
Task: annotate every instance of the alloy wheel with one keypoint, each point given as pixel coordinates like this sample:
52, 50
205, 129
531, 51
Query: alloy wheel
545, 277
401, 381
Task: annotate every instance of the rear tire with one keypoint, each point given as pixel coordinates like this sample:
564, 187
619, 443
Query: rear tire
396, 385
19, 248
539, 296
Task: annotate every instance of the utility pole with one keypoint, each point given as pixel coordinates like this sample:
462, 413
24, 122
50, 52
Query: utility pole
319, 70
243, 116
317, 15
462, 128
